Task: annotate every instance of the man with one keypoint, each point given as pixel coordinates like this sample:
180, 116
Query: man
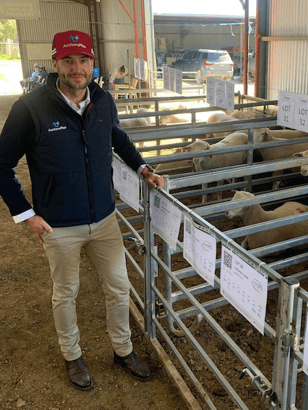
117, 77
67, 129
37, 75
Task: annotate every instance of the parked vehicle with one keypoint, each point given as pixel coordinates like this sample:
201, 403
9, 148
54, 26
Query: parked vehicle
205, 63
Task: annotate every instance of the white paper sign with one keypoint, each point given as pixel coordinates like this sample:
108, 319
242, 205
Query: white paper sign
178, 81
165, 219
199, 250
286, 109
166, 78
301, 113
172, 79
244, 287
210, 91
220, 93
117, 174
136, 68
130, 187
305, 361
229, 96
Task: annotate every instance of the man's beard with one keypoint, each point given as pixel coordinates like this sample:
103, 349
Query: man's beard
64, 80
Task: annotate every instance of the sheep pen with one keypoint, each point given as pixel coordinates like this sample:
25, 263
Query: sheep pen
33, 366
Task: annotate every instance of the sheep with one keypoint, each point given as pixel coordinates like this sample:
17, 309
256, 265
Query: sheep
170, 118
219, 160
242, 115
254, 214
219, 117
136, 122
304, 168
288, 134
278, 152
175, 165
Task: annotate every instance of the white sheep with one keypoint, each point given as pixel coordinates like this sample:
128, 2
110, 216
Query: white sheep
172, 166
242, 115
219, 160
136, 122
304, 168
255, 214
273, 153
278, 152
219, 117
170, 118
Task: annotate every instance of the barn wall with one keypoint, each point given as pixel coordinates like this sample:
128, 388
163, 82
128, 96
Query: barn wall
287, 60
56, 16
201, 36
119, 34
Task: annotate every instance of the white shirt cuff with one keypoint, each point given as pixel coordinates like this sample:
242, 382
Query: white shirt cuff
23, 216
140, 169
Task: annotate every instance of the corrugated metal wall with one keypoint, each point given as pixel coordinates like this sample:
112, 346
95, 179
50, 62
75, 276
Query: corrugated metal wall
56, 16
202, 36
119, 34
287, 60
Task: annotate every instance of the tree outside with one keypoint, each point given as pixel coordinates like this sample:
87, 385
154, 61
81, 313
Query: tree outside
8, 35
8, 29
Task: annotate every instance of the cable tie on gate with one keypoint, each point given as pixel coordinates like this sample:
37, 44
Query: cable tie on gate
260, 265
228, 241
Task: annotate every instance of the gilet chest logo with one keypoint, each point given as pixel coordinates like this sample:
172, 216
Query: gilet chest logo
56, 127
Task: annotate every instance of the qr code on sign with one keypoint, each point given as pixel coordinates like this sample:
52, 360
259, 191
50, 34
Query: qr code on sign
227, 259
156, 201
188, 227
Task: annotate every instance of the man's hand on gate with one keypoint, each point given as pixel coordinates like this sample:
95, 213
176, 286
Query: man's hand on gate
152, 179
38, 225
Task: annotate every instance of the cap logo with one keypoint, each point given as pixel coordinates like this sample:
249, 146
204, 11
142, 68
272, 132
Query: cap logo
74, 39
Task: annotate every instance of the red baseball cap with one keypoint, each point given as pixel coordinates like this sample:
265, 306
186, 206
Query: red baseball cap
71, 42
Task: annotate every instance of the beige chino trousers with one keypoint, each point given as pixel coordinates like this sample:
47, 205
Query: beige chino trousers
103, 243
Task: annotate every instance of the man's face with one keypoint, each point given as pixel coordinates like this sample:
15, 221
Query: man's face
75, 71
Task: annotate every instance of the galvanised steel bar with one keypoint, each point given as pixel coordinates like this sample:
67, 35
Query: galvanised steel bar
170, 132
162, 100
284, 341
235, 172
215, 326
184, 365
296, 325
134, 263
265, 226
280, 246
290, 261
229, 389
303, 294
130, 227
149, 297
192, 111
305, 393
242, 253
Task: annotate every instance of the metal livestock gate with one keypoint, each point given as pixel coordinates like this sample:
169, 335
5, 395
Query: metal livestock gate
158, 300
